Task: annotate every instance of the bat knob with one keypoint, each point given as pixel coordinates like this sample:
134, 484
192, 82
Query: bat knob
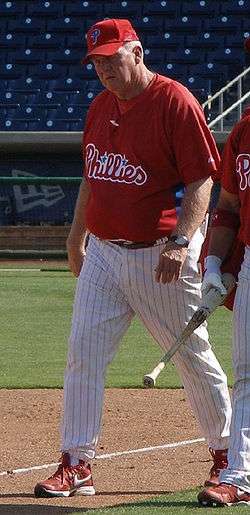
148, 382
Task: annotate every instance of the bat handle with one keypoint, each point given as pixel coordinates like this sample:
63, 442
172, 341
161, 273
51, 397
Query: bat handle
149, 379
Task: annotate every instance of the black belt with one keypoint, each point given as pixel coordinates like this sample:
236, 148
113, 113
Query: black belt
138, 244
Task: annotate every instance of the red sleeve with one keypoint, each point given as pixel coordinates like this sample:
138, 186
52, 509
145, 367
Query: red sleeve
194, 147
229, 181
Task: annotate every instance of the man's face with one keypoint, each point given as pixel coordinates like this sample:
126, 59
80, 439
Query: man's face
116, 72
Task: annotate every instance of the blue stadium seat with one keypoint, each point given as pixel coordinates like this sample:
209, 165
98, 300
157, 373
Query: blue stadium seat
205, 40
200, 7
167, 8
91, 8
65, 24
10, 71
124, 9
11, 40
235, 7
184, 24
227, 55
27, 56
223, 23
65, 56
76, 41
63, 84
61, 125
174, 71
45, 8
12, 8
12, 97
46, 40
184, 55
83, 71
154, 55
236, 40
26, 24
47, 71
214, 73
164, 40
47, 99
23, 84
146, 24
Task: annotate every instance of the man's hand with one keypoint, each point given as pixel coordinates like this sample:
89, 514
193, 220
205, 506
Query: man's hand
76, 255
170, 263
212, 280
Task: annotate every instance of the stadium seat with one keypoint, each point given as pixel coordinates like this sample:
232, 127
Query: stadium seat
27, 25
236, 40
167, 8
184, 55
184, 24
12, 97
27, 56
235, 7
92, 8
13, 8
223, 23
154, 55
48, 98
23, 84
200, 7
65, 56
205, 40
76, 41
10, 71
47, 40
227, 55
53, 8
9, 40
65, 24
164, 40
47, 71
124, 9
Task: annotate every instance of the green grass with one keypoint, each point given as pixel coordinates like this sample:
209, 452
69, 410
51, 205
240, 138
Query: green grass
181, 503
36, 310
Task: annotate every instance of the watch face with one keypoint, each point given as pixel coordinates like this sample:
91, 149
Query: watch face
180, 240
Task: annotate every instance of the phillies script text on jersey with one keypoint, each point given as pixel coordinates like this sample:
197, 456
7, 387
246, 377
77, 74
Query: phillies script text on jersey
112, 167
243, 169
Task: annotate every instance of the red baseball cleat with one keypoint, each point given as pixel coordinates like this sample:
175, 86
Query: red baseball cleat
220, 463
67, 480
223, 495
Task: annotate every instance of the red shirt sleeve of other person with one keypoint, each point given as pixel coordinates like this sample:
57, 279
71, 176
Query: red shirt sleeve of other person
236, 171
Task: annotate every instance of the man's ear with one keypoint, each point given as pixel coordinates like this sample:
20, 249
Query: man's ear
138, 54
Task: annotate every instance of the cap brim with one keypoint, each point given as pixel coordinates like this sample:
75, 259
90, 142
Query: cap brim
109, 49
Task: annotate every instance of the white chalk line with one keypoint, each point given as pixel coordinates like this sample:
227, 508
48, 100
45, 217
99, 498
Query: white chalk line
108, 456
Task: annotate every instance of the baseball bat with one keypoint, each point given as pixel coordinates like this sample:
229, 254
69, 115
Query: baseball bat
210, 302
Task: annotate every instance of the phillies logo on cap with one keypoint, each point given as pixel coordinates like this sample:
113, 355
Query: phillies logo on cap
95, 35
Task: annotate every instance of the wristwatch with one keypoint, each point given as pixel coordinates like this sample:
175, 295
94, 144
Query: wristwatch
180, 240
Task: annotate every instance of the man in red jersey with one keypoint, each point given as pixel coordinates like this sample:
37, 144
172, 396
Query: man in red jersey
231, 219
149, 157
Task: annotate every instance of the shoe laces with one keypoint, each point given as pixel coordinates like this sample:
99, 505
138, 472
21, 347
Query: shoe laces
220, 460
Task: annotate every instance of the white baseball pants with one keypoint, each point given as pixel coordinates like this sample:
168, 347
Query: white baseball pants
116, 284
238, 471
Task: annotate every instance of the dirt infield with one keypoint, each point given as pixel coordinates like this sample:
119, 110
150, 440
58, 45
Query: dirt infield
133, 419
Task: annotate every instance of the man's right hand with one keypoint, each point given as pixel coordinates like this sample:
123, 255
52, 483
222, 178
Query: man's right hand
76, 255
212, 280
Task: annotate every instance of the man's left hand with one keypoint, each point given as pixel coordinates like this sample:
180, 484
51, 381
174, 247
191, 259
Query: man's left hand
170, 263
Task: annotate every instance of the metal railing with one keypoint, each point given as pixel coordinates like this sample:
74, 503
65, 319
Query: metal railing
219, 96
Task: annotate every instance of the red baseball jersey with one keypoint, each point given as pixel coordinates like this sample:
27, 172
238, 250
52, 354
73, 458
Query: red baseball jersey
139, 155
236, 171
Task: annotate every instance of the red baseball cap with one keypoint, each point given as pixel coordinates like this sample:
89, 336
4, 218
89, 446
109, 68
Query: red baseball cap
105, 37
